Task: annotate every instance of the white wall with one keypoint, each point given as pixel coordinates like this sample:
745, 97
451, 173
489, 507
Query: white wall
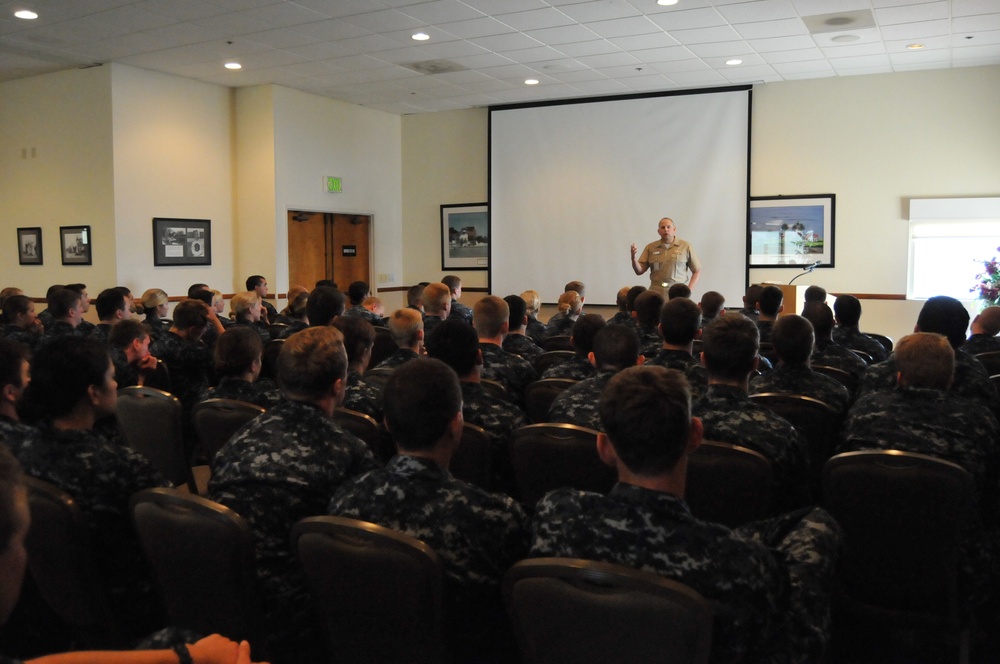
254, 242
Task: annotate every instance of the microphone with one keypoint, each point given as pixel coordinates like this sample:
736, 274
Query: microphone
806, 270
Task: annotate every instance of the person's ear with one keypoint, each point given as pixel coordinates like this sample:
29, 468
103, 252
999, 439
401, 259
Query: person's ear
592, 358
696, 435
606, 451
455, 429
479, 357
641, 360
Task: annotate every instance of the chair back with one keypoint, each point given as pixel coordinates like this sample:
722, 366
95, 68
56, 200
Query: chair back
152, 423
216, 420
767, 350
819, 423
571, 611
882, 339
472, 462
384, 346
550, 456
550, 359
159, 377
275, 330
845, 378
495, 389
62, 566
269, 360
377, 377
377, 592
202, 557
991, 361
539, 395
367, 429
728, 484
557, 342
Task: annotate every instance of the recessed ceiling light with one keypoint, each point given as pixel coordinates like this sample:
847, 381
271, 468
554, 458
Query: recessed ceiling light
844, 39
914, 47
531, 81
421, 36
233, 65
26, 14
734, 62
666, 3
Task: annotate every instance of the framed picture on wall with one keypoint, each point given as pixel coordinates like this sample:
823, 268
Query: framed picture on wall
792, 231
29, 246
182, 241
465, 236
74, 242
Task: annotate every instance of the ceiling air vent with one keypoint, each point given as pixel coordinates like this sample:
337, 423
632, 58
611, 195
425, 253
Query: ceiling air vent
435, 67
839, 22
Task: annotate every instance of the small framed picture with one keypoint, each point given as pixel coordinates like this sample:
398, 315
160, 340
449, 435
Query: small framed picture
182, 241
792, 231
465, 236
75, 243
29, 246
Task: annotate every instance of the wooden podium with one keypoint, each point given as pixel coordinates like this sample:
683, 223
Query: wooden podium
794, 297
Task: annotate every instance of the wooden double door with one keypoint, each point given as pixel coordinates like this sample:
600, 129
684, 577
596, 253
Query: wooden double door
329, 245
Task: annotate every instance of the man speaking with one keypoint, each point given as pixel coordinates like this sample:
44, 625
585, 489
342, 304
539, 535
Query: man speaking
670, 259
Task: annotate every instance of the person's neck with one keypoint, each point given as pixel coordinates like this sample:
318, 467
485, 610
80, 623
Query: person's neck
80, 418
496, 341
731, 382
439, 454
511, 333
687, 348
672, 482
245, 376
8, 411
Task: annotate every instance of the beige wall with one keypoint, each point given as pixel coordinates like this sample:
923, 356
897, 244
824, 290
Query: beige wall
255, 204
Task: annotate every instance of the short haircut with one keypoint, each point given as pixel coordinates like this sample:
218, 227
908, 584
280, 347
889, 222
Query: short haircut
585, 329
646, 413
52, 289
925, 359
489, 315
621, 300
242, 302
61, 373
576, 286
455, 343
848, 310
821, 317
453, 282
8, 292
518, 310
11, 484
190, 314
236, 349
62, 301
12, 356
297, 306
253, 281
153, 298
125, 332
311, 361
359, 336
752, 298
944, 315
436, 296
815, 294
989, 320
404, 326
324, 305
678, 290
711, 304
420, 400
680, 319
204, 294
633, 293
570, 303
328, 283
358, 291
15, 305
770, 300
372, 301
108, 302
77, 288
532, 301
616, 347
730, 346
415, 296
793, 339
194, 288
647, 308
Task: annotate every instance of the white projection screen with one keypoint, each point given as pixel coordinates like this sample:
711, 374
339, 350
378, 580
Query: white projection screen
573, 184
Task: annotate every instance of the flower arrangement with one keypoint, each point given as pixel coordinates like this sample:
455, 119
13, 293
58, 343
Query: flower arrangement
987, 288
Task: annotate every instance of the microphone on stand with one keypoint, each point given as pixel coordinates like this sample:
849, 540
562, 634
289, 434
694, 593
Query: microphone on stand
809, 268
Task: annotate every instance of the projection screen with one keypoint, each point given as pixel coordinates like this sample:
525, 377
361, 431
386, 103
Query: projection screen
574, 184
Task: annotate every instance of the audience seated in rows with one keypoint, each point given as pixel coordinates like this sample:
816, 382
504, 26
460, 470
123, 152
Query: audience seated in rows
258, 284
457, 310
985, 328
847, 314
357, 292
826, 351
517, 341
248, 311
407, 329
680, 323
238, 356
579, 366
154, 303
128, 345
534, 328
490, 318
647, 320
20, 322
711, 305
359, 339
567, 312
437, 305
771, 304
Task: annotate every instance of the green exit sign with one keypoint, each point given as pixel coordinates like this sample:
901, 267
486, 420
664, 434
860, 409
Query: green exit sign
334, 185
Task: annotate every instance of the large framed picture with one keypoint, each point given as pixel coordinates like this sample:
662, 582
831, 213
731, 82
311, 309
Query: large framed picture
74, 242
792, 231
182, 241
29, 246
465, 236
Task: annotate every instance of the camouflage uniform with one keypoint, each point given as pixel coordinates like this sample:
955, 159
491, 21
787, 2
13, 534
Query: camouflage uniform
189, 364
86, 328
46, 317
981, 343
14, 434
400, 356
28, 339
263, 392
362, 396
764, 327
293, 327
622, 318
650, 341
752, 314
283, 466
358, 311
460, 312
536, 330
272, 313
730, 417
58, 330
500, 419
559, 324
768, 583
684, 362
101, 332
577, 404
803, 381
853, 339
157, 328
522, 345
430, 322
575, 368
101, 477
259, 328
125, 374
512, 371
831, 354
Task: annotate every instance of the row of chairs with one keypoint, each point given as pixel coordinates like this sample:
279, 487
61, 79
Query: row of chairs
378, 593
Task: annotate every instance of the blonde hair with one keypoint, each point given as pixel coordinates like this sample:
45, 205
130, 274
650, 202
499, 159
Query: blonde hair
241, 302
436, 296
532, 301
570, 303
151, 299
216, 296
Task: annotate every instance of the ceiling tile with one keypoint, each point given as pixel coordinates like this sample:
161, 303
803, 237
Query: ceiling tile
441, 11
599, 10
566, 34
705, 35
761, 10
537, 19
689, 20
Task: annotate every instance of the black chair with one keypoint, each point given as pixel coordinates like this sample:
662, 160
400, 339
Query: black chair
549, 456
275, 330
869, 360
216, 420
903, 517
152, 423
495, 388
269, 360
367, 429
557, 342
202, 557
159, 377
550, 359
539, 395
819, 423
991, 361
377, 376
728, 484
845, 378
378, 593
384, 346
571, 611
472, 462
882, 339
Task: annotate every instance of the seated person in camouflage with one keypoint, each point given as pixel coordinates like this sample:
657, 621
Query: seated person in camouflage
622, 316
616, 347
922, 415
711, 305
793, 342
568, 311
985, 327
129, 348
437, 305
45, 316
847, 314
258, 284
678, 290
291, 313
517, 341
815, 294
155, 304
478, 535
415, 298
407, 329
359, 339
66, 308
375, 306
85, 327
238, 360
14, 378
247, 309
826, 351
768, 583
729, 353
325, 304
579, 367
534, 328
771, 304
457, 345
491, 320
356, 293
680, 323
751, 302
630, 298
458, 310
20, 323
647, 320
285, 465
187, 358
217, 303
111, 308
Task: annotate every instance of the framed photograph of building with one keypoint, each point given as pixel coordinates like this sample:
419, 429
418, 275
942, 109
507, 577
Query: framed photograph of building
29, 246
792, 231
75, 241
182, 241
465, 236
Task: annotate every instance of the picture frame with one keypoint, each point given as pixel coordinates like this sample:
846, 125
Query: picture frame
465, 232
792, 231
182, 241
75, 245
29, 246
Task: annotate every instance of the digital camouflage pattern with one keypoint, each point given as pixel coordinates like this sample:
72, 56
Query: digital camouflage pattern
575, 368
510, 370
853, 339
684, 362
500, 419
522, 345
263, 392
803, 381
559, 325
399, 357
650, 341
460, 312
536, 330
362, 396
831, 354
358, 311
577, 404
190, 364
